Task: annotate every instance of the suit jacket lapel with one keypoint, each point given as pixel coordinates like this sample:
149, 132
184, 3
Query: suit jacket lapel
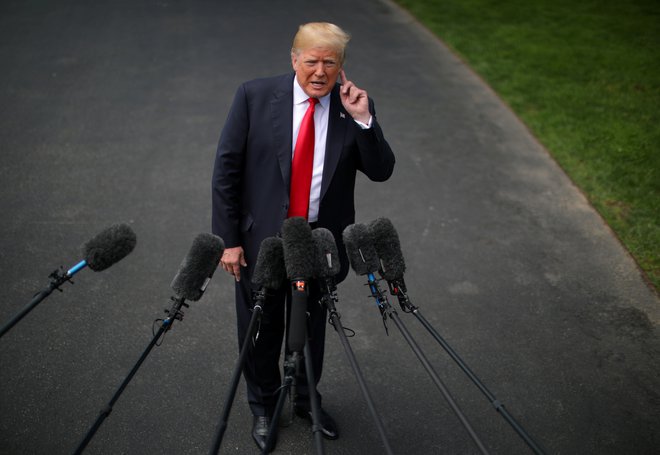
282, 118
337, 121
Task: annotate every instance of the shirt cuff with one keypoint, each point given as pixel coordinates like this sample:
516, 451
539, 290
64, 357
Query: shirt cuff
365, 126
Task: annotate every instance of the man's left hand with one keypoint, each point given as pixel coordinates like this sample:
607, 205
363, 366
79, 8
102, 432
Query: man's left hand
354, 99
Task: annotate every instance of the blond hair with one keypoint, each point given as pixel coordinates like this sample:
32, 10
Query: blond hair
323, 35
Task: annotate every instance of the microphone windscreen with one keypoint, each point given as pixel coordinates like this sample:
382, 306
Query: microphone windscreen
108, 246
360, 249
388, 248
326, 255
198, 266
269, 270
298, 248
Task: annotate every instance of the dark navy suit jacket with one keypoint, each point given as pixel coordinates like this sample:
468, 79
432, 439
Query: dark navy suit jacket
253, 166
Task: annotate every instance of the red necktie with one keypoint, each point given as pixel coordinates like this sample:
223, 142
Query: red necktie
302, 165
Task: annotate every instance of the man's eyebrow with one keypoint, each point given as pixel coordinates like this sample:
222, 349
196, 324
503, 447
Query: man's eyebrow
327, 60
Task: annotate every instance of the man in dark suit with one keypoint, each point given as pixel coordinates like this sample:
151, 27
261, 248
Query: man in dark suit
257, 184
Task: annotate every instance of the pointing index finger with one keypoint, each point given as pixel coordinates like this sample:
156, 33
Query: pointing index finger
342, 76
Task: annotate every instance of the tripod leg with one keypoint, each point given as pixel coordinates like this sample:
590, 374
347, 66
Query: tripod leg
339, 328
105, 412
313, 400
499, 407
30, 306
236, 377
274, 422
436, 379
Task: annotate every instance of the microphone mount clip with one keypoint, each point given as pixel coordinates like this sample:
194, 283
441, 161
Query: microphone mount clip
329, 293
398, 289
175, 312
328, 299
59, 277
259, 298
381, 299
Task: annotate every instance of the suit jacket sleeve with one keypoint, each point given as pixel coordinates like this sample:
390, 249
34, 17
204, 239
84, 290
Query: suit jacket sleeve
228, 172
376, 156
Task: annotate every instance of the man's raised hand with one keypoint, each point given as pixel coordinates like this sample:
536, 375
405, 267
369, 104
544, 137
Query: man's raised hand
354, 99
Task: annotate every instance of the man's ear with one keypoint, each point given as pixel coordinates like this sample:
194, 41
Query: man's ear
294, 60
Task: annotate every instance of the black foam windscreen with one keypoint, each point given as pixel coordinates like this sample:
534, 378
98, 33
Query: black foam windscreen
388, 248
360, 249
108, 246
269, 270
298, 248
326, 254
198, 266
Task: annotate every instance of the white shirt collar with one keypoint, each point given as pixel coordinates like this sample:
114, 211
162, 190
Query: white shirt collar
299, 95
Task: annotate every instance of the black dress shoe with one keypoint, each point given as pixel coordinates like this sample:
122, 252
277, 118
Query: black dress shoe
328, 425
260, 431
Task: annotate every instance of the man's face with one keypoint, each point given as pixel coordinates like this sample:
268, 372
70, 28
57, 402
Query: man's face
317, 70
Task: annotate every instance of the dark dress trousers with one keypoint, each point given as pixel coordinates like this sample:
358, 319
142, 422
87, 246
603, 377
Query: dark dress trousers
250, 197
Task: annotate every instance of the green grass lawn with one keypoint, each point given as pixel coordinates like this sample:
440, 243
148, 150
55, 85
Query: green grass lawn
585, 77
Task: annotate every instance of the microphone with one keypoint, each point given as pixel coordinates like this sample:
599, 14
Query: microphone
326, 265
364, 260
190, 282
269, 272
360, 248
108, 246
198, 267
391, 263
360, 243
100, 252
388, 248
326, 268
298, 247
326, 256
392, 268
268, 275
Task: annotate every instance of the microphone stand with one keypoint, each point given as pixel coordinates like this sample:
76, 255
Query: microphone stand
387, 309
57, 279
398, 288
255, 321
313, 398
291, 368
328, 298
174, 313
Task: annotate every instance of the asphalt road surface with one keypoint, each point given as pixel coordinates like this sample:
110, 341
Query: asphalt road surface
111, 112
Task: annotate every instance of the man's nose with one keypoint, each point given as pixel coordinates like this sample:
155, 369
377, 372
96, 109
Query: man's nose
319, 69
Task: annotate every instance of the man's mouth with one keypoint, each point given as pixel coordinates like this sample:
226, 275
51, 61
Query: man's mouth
317, 84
